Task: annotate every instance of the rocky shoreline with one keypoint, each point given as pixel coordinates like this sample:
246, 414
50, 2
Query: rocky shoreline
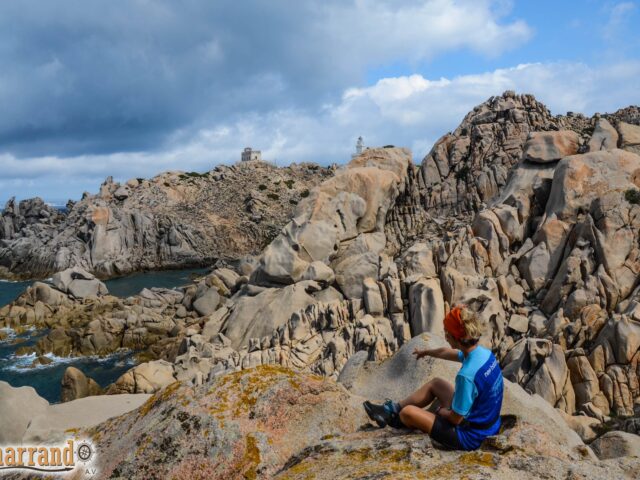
174, 220
531, 220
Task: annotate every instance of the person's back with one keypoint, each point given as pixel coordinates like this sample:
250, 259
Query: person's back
478, 397
468, 412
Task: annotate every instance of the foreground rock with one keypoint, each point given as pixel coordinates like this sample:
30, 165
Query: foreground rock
243, 425
269, 422
19, 406
28, 418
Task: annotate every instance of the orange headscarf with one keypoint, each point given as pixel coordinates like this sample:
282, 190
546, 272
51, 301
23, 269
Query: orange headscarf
453, 323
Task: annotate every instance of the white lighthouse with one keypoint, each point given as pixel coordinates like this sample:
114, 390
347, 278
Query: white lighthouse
359, 147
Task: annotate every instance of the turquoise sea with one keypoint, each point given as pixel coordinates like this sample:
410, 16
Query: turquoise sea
17, 370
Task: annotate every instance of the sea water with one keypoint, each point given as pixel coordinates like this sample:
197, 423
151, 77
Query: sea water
9, 291
46, 379
120, 287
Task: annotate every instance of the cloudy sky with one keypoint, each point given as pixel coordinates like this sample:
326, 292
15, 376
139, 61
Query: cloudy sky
129, 88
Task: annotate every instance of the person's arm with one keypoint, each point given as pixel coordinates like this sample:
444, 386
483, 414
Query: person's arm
443, 352
450, 415
464, 396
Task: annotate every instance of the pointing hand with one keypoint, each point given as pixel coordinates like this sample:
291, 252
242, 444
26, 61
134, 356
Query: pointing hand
420, 353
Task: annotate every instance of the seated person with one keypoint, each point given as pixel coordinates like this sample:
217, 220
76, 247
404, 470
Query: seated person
468, 413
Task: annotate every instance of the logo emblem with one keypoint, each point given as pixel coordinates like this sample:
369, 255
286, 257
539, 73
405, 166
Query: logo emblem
84, 452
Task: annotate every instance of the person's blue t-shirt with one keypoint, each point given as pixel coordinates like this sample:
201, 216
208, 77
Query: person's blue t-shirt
478, 396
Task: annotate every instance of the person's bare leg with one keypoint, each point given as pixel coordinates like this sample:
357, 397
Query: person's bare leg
435, 388
417, 418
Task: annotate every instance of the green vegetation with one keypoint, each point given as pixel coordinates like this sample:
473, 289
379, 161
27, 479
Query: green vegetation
389, 146
304, 193
289, 183
632, 196
187, 175
262, 186
293, 202
273, 196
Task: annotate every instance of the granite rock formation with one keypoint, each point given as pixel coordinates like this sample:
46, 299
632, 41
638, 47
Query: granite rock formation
156, 223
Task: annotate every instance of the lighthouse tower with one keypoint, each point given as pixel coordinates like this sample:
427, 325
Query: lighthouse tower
359, 147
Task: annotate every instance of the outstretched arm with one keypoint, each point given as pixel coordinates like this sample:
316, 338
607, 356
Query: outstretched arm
443, 352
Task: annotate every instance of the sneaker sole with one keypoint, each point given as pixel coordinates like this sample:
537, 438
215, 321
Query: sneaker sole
379, 421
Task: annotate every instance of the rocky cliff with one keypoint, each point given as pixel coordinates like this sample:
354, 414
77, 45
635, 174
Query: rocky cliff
175, 219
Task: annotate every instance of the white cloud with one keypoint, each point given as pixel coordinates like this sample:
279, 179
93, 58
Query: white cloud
375, 30
618, 18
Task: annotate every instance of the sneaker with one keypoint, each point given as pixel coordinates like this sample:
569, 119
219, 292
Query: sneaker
383, 415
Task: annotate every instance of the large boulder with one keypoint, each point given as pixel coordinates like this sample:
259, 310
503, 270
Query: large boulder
418, 260
76, 384
357, 260
604, 137
260, 315
540, 366
372, 297
48, 295
242, 425
356, 200
581, 179
148, 377
617, 444
544, 147
426, 303
78, 282
629, 137
18, 406
207, 302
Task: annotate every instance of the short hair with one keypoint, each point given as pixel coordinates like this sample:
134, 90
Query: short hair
473, 327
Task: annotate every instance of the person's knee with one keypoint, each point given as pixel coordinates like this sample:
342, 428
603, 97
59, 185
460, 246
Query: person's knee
408, 412
438, 382
432, 382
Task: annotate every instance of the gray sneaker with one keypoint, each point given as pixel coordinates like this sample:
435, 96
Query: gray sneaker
384, 414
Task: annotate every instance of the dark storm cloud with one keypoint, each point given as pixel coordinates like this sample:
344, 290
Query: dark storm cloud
90, 77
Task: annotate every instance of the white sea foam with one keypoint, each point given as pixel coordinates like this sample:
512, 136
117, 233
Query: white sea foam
11, 334
20, 362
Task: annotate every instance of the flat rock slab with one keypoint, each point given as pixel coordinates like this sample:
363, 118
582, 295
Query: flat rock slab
82, 413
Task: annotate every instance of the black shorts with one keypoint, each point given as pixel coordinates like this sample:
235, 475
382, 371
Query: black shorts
445, 433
